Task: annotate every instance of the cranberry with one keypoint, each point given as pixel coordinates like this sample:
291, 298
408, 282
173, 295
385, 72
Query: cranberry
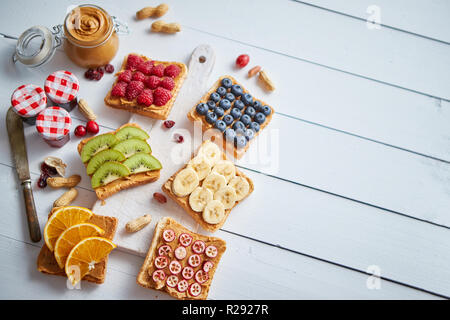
80, 131
178, 138
242, 60
89, 74
92, 127
169, 124
101, 70
97, 75
48, 170
42, 182
160, 197
109, 68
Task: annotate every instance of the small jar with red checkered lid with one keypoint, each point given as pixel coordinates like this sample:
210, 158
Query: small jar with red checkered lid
27, 101
53, 124
62, 88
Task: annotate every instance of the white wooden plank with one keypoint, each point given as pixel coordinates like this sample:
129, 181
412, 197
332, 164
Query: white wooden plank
426, 18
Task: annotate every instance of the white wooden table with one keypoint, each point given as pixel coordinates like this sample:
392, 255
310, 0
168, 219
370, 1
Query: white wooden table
363, 178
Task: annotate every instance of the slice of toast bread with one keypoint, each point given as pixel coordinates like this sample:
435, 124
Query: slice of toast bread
144, 277
152, 111
46, 262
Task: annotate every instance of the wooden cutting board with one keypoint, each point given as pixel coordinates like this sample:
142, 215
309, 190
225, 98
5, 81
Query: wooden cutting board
132, 203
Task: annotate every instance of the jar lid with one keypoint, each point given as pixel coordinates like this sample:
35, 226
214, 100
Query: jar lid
62, 86
28, 100
53, 123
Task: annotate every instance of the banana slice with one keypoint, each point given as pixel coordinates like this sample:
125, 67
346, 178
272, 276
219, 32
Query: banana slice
211, 151
241, 187
199, 198
225, 168
214, 212
185, 182
214, 181
227, 196
201, 166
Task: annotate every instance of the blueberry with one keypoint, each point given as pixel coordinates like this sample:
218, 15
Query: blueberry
254, 126
226, 83
236, 90
211, 117
266, 110
249, 133
230, 97
247, 99
215, 97
211, 104
236, 113
228, 119
250, 111
220, 124
201, 109
221, 91
260, 118
239, 104
257, 105
219, 111
240, 141
229, 134
246, 120
238, 125
225, 104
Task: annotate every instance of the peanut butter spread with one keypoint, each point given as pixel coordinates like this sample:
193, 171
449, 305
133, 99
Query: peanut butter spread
88, 24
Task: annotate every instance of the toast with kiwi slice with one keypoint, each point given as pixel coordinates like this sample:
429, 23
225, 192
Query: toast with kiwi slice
119, 160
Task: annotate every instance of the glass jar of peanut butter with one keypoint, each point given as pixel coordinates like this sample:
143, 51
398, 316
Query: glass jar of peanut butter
91, 36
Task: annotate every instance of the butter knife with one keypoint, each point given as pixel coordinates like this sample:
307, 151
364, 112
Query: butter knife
19, 150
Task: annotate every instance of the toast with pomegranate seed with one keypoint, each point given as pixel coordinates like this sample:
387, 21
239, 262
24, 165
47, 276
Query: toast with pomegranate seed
258, 115
180, 262
132, 179
134, 91
232, 183
46, 262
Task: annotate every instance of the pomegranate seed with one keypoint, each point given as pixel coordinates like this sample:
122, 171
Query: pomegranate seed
92, 127
169, 124
47, 169
42, 182
80, 131
160, 197
178, 138
242, 60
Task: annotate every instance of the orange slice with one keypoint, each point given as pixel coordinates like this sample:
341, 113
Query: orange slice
71, 236
61, 219
85, 255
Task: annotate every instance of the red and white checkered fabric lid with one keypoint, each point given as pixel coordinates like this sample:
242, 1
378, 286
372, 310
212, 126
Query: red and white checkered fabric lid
53, 123
61, 86
28, 100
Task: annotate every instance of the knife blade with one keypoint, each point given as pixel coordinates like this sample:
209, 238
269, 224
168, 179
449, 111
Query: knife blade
14, 127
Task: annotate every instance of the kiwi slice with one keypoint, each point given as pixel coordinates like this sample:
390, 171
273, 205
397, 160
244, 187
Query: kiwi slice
130, 132
131, 146
101, 157
141, 162
97, 144
108, 172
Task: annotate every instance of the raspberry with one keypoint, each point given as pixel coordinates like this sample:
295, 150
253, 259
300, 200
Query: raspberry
119, 89
146, 67
109, 68
133, 61
161, 96
158, 70
152, 82
138, 76
167, 83
145, 98
125, 76
134, 88
172, 71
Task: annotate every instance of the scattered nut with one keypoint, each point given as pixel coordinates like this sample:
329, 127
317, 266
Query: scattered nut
56, 163
138, 223
264, 79
85, 110
66, 198
162, 26
59, 182
253, 71
160, 197
156, 12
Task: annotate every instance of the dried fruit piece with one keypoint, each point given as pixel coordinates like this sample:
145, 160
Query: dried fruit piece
109, 68
42, 181
169, 124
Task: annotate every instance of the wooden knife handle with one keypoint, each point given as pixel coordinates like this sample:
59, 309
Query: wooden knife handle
33, 222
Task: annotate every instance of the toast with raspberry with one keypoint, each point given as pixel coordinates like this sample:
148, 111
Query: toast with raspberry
147, 87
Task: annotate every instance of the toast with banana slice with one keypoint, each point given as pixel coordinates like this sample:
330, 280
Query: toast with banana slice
208, 187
